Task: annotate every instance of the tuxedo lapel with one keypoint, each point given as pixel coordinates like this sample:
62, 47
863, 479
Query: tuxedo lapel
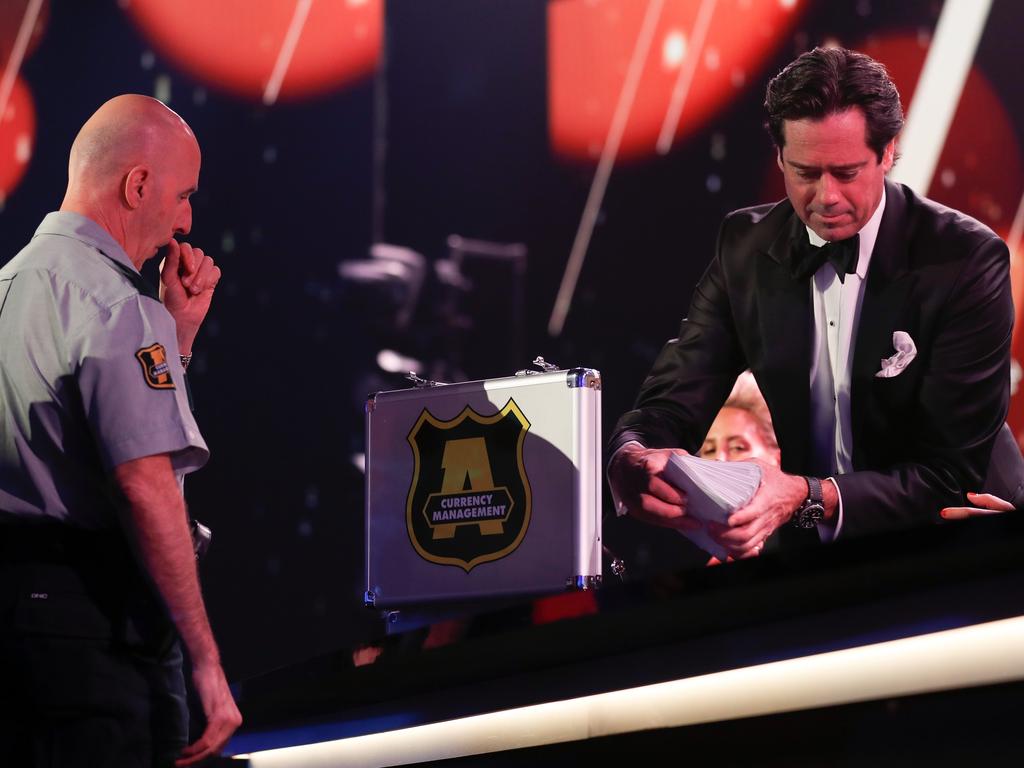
785, 320
884, 304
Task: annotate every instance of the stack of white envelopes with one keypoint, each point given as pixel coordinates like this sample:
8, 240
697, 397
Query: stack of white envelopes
714, 490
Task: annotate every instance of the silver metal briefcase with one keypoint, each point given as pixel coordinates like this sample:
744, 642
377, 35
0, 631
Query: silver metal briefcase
485, 488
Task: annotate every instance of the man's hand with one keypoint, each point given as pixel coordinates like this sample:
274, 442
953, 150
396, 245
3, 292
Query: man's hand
222, 716
158, 528
188, 278
985, 504
772, 506
636, 476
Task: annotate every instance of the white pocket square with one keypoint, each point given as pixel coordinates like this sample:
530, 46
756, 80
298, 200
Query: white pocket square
905, 352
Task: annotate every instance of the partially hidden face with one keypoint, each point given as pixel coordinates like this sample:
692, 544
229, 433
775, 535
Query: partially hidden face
169, 209
833, 178
735, 436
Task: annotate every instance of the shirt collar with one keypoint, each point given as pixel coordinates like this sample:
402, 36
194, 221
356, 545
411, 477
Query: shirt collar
868, 235
85, 230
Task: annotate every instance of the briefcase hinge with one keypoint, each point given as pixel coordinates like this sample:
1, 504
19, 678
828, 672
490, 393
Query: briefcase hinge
583, 583
584, 377
420, 383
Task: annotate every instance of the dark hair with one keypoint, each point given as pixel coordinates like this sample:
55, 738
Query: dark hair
829, 80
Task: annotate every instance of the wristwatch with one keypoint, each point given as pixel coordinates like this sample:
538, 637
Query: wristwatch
812, 511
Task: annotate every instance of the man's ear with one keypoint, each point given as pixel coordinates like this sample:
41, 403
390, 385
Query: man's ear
888, 156
778, 159
136, 186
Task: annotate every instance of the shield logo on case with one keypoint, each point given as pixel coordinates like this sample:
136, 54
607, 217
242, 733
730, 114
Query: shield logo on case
469, 501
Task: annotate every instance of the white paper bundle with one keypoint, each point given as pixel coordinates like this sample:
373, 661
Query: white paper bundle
714, 490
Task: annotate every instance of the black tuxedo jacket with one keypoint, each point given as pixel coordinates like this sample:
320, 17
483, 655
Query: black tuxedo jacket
921, 438
1006, 470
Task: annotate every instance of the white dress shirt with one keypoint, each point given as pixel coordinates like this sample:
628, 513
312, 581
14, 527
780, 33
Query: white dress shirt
836, 318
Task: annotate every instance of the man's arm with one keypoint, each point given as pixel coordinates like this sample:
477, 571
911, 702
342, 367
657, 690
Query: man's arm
943, 449
1003, 486
959, 406
159, 529
691, 377
944, 445
689, 381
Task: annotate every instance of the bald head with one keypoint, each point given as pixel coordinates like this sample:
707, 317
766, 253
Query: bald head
133, 166
126, 131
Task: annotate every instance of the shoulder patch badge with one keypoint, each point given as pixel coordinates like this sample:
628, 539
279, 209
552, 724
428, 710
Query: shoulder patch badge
155, 370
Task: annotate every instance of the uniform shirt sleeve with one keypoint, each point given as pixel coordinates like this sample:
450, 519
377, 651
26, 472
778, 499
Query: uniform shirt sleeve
132, 386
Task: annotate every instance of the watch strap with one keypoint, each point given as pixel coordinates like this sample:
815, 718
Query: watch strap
814, 493
812, 510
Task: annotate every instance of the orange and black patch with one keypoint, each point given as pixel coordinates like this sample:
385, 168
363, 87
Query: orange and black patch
155, 370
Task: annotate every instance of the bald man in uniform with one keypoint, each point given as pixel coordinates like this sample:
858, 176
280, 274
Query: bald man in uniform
97, 571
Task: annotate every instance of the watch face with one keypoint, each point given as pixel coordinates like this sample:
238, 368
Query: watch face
809, 515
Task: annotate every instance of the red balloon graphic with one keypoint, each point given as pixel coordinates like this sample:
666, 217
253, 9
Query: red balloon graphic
239, 45
17, 135
17, 110
12, 15
591, 43
979, 171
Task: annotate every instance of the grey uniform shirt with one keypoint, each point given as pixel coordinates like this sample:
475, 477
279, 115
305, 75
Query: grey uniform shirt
90, 376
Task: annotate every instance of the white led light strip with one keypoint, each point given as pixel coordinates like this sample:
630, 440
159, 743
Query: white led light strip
604, 168
983, 654
284, 56
686, 74
937, 95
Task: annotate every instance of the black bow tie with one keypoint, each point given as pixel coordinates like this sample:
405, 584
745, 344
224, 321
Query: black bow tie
842, 254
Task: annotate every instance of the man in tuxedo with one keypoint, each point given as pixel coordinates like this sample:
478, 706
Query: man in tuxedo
876, 322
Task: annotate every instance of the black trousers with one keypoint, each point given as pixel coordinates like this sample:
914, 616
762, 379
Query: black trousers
90, 668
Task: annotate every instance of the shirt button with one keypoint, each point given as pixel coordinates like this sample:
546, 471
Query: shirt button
832, 323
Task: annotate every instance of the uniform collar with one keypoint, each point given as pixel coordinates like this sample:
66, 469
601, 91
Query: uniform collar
85, 230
